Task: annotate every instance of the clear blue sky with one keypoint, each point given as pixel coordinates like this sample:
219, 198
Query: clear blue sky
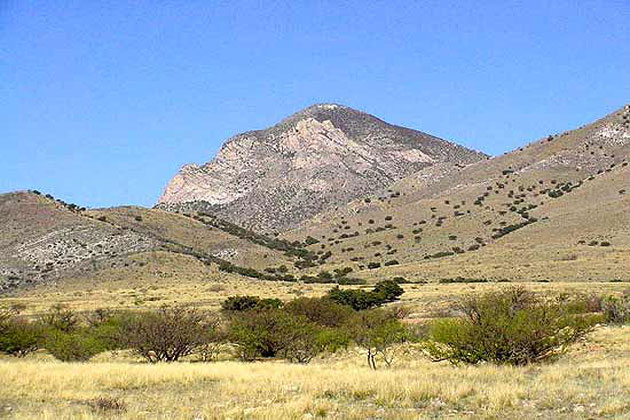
102, 101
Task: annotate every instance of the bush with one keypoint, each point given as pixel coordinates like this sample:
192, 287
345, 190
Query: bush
274, 333
321, 311
168, 334
388, 290
383, 292
60, 318
245, 303
377, 331
76, 346
617, 309
512, 326
19, 337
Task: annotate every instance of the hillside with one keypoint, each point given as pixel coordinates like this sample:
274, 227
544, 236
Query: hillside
555, 209
317, 159
45, 241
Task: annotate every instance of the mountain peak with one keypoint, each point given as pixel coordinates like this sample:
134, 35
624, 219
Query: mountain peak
320, 157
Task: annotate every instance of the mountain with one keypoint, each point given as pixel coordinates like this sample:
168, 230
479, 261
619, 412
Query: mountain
317, 159
556, 209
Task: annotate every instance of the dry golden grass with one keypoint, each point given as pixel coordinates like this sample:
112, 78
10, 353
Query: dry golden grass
210, 288
590, 382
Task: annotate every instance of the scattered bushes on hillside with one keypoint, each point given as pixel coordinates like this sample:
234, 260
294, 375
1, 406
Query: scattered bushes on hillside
512, 326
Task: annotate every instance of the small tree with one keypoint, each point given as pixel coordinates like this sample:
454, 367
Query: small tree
168, 334
378, 331
383, 292
60, 318
245, 303
273, 333
389, 290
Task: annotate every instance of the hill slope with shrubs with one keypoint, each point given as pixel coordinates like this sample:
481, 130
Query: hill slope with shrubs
556, 209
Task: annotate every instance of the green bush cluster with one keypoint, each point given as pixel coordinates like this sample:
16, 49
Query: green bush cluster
384, 291
512, 326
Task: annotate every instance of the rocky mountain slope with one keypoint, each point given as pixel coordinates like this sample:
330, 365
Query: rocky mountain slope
317, 159
45, 240
555, 209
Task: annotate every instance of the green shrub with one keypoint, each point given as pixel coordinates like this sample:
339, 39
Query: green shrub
245, 303
511, 326
19, 337
383, 292
321, 311
75, 346
378, 331
274, 333
388, 290
355, 298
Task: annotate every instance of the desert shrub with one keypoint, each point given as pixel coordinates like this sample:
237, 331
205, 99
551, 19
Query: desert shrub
388, 290
60, 318
274, 333
19, 337
617, 309
384, 291
373, 265
378, 331
350, 281
167, 334
245, 303
76, 346
321, 311
512, 326
108, 328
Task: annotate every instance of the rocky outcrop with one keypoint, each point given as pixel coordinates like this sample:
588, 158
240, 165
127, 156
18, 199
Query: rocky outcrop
319, 158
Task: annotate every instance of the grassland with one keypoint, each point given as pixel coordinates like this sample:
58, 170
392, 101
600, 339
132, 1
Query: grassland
590, 381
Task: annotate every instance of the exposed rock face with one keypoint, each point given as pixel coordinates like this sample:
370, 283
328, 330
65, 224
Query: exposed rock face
321, 157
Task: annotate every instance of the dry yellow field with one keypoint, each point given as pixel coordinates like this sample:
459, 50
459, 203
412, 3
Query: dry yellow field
210, 289
592, 381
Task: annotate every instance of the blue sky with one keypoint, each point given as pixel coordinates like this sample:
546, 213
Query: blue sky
102, 101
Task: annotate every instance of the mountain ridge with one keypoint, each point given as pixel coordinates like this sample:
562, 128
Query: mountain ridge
317, 158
